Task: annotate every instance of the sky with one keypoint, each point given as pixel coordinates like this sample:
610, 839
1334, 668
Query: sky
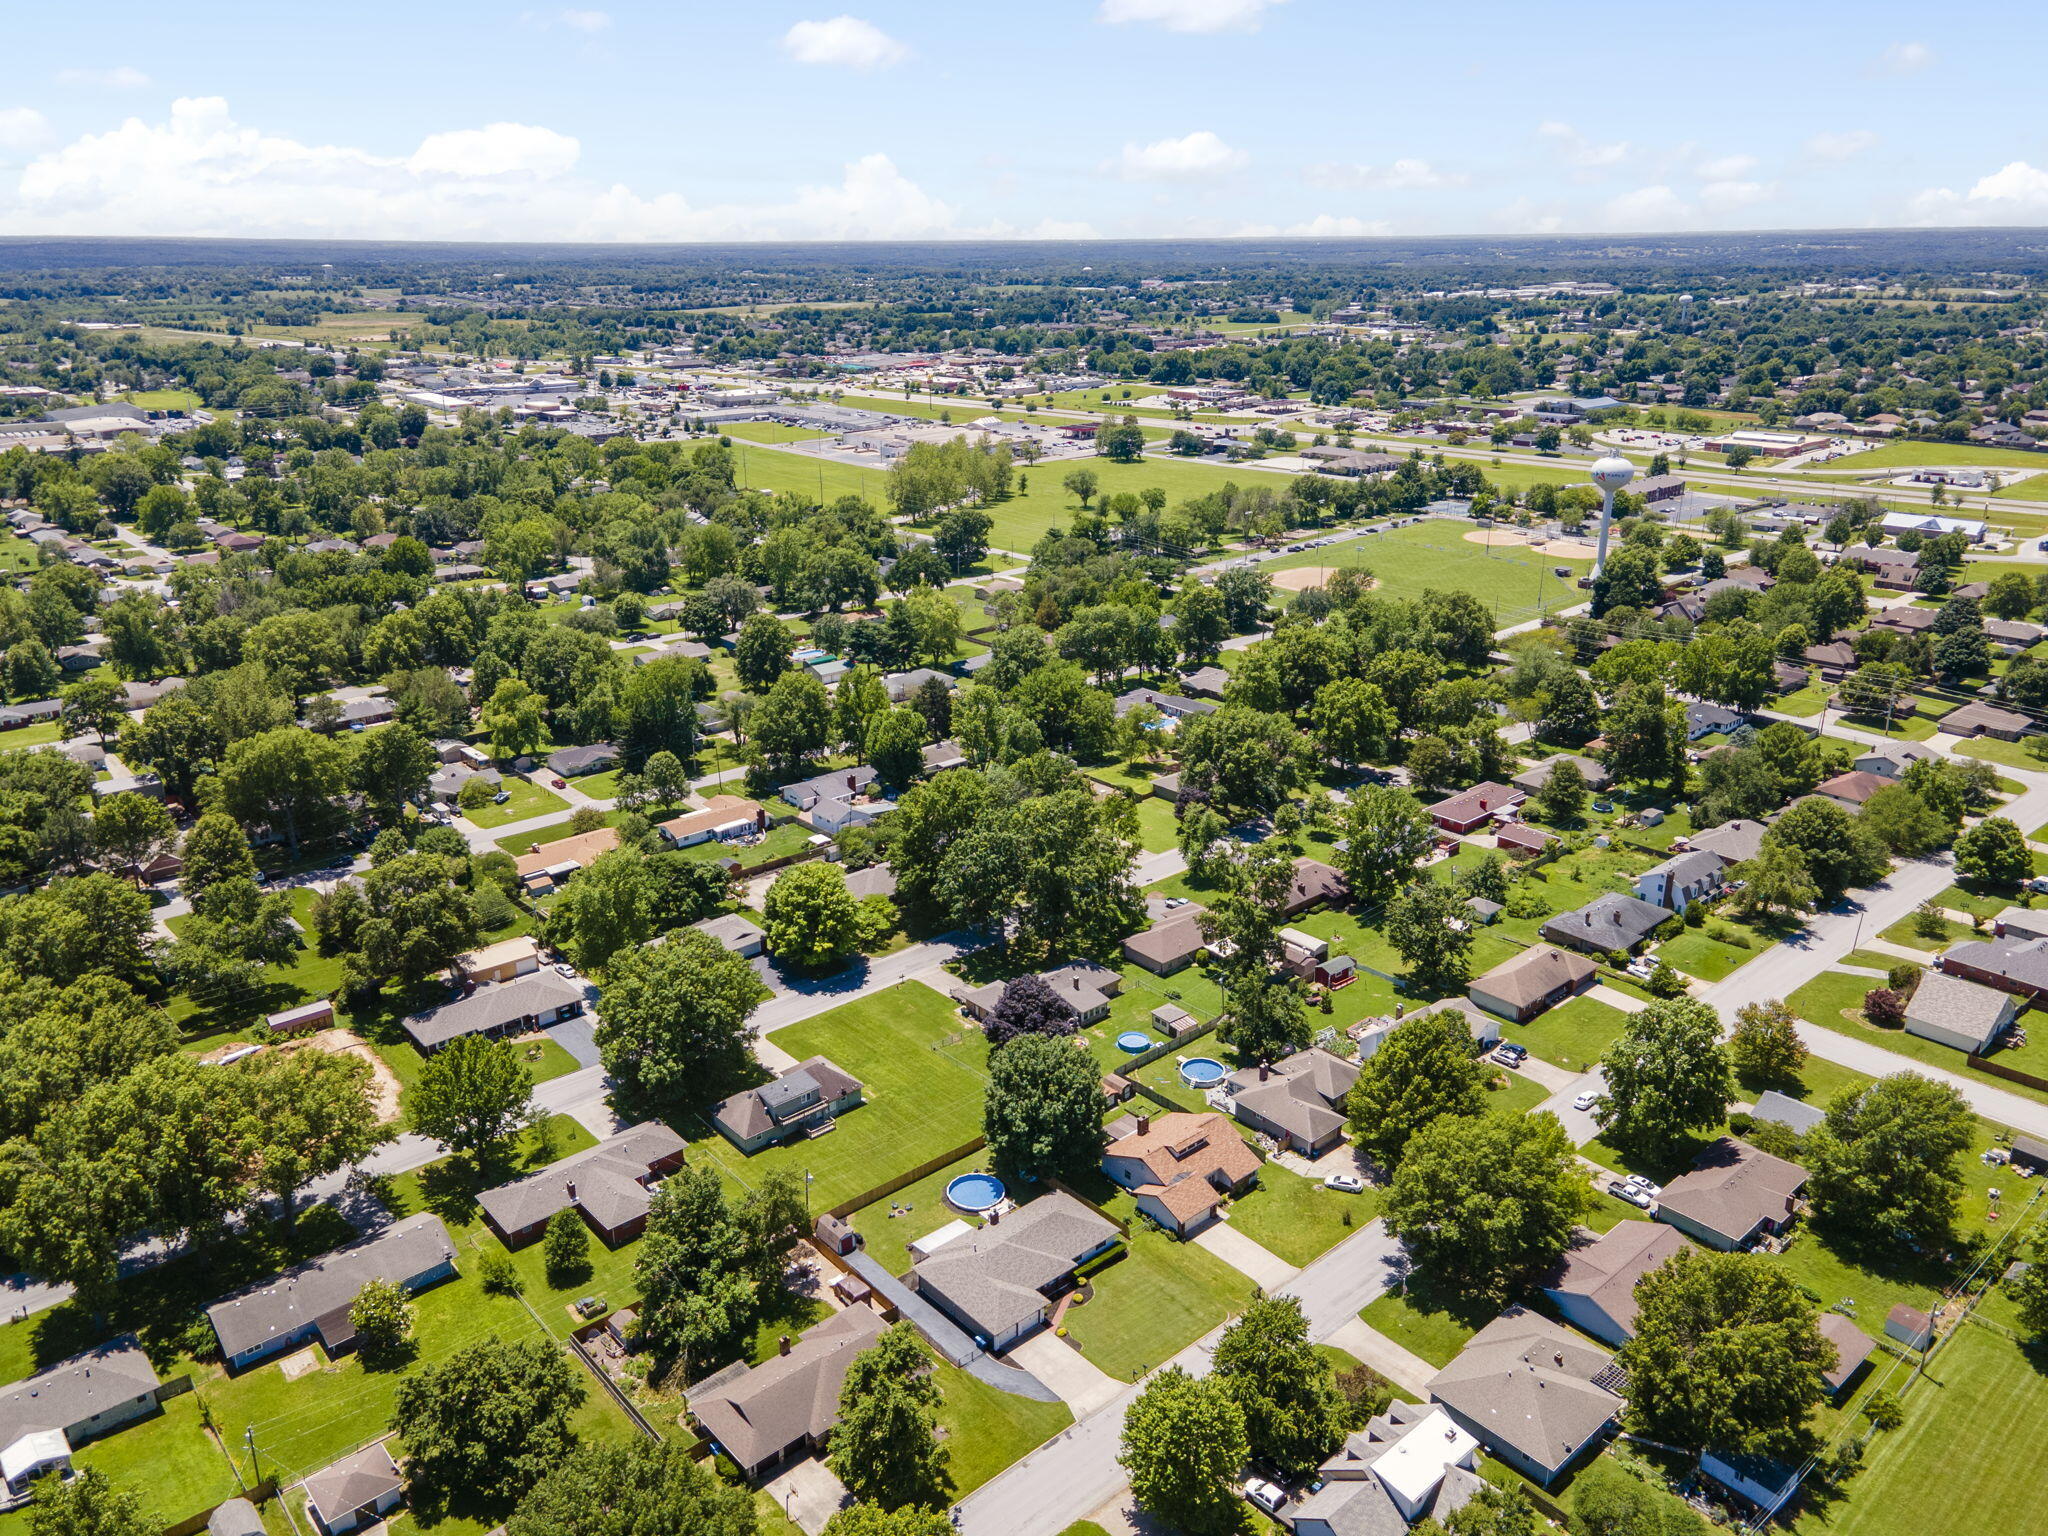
687, 121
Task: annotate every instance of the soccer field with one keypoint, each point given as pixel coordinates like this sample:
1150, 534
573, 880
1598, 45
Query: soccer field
1518, 584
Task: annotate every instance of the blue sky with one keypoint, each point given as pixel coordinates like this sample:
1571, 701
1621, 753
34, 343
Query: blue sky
687, 121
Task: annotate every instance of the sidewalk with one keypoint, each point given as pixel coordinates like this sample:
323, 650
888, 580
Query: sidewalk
1398, 1365
1265, 1267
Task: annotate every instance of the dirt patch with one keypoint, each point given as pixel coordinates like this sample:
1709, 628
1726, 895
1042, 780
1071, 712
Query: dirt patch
1302, 577
384, 1084
302, 1363
1496, 537
1564, 549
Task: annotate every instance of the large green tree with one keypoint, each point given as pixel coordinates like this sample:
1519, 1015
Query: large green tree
1484, 1203
1184, 1446
632, 1488
491, 1416
1042, 1112
470, 1095
1423, 1071
1726, 1357
1667, 1077
1294, 1415
1885, 1163
672, 1021
1386, 833
885, 1447
813, 921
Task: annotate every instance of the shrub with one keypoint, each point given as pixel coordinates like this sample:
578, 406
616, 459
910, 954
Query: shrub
496, 1272
1664, 982
1884, 1008
1904, 977
1928, 921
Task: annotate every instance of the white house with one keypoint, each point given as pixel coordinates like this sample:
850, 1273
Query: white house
1959, 1013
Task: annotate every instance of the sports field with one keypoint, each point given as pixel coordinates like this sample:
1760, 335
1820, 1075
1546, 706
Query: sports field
1518, 584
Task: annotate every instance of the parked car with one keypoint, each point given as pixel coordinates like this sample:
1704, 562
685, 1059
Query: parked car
1645, 1184
501, 797
1267, 1496
1630, 1193
1586, 1100
1510, 1054
1344, 1183
564, 968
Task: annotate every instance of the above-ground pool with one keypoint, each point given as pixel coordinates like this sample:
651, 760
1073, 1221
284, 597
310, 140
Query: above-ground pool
1202, 1072
975, 1193
1133, 1040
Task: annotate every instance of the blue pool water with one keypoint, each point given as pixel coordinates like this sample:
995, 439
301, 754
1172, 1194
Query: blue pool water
1133, 1040
975, 1193
1202, 1072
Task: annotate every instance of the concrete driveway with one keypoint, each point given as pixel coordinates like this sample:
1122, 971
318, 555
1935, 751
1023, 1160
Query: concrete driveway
1082, 1385
1265, 1267
808, 1493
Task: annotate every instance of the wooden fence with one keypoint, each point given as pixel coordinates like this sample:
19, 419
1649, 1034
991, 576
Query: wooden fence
2010, 1074
903, 1180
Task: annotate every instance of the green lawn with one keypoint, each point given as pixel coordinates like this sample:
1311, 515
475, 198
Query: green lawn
923, 1068
599, 786
1434, 1326
770, 432
169, 1459
2010, 754
1832, 997
1906, 931
165, 399
987, 1428
1913, 454
527, 801
1975, 1421
525, 842
1703, 952
889, 1227
1161, 1297
1573, 1035
1516, 584
1297, 1218
782, 841
1984, 901
44, 733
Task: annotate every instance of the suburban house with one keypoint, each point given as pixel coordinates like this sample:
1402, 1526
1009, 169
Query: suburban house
840, 799
1594, 1284
722, 818
310, 1301
1180, 1166
546, 866
1534, 777
1796, 1115
804, 1101
1410, 1463
875, 880
1733, 1196
1170, 944
1981, 719
736, 931
2010, 636
1733, 842
1850, 790
1082, 985
608, 1184
1315, 884
1835, 659
571, 761
785, 1407
512, 1008
2018, 966
51, 1414
446, 784
1537, 979
1681, 879
1964, 1014
1475, 807
902, 686
1708, 719
1893, 568
507, 960
1483, 1027
1206, 682
1000, 1283
1536, 1395
1298, 1100
1610, 923
2021, 923
1170, 705
1763, 1481
356, 1491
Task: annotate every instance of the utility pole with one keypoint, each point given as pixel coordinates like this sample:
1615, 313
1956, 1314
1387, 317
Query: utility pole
249, 1439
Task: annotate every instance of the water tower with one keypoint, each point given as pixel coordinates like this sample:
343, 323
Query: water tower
1685, 310
1610, 474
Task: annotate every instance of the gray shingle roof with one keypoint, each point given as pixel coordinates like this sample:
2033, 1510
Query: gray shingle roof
1526, 1383
1960, 1007
1604, 1270
354, 1481
758, 1413
1609, 921
1794, 1113
593, 1175
313, 1290
237, 1517
756, 1111
76, 1389
493, 1006
996, 1277
1733, 1188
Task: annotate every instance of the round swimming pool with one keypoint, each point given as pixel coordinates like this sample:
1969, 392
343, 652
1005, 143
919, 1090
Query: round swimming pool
1133, 1040
1202, 1072
975, 1193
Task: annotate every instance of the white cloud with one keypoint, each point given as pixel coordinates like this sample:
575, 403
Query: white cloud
1327, 225
1193, 157
1582, 151
1399, 176
122, 77
586, 21
845, 41
1646, 208
1903, 59
1729, 195
2013, 193
1657, 207
22, 128
1726, 168
201, 173
1191, 15
1840, 146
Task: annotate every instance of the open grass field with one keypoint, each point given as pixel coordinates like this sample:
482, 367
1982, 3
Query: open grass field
527, 801
923, 1068
1572, 1036
1160, 1298
1913, 455
44, 733
770, 432
1516, 583
165, 399
1976, 1427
